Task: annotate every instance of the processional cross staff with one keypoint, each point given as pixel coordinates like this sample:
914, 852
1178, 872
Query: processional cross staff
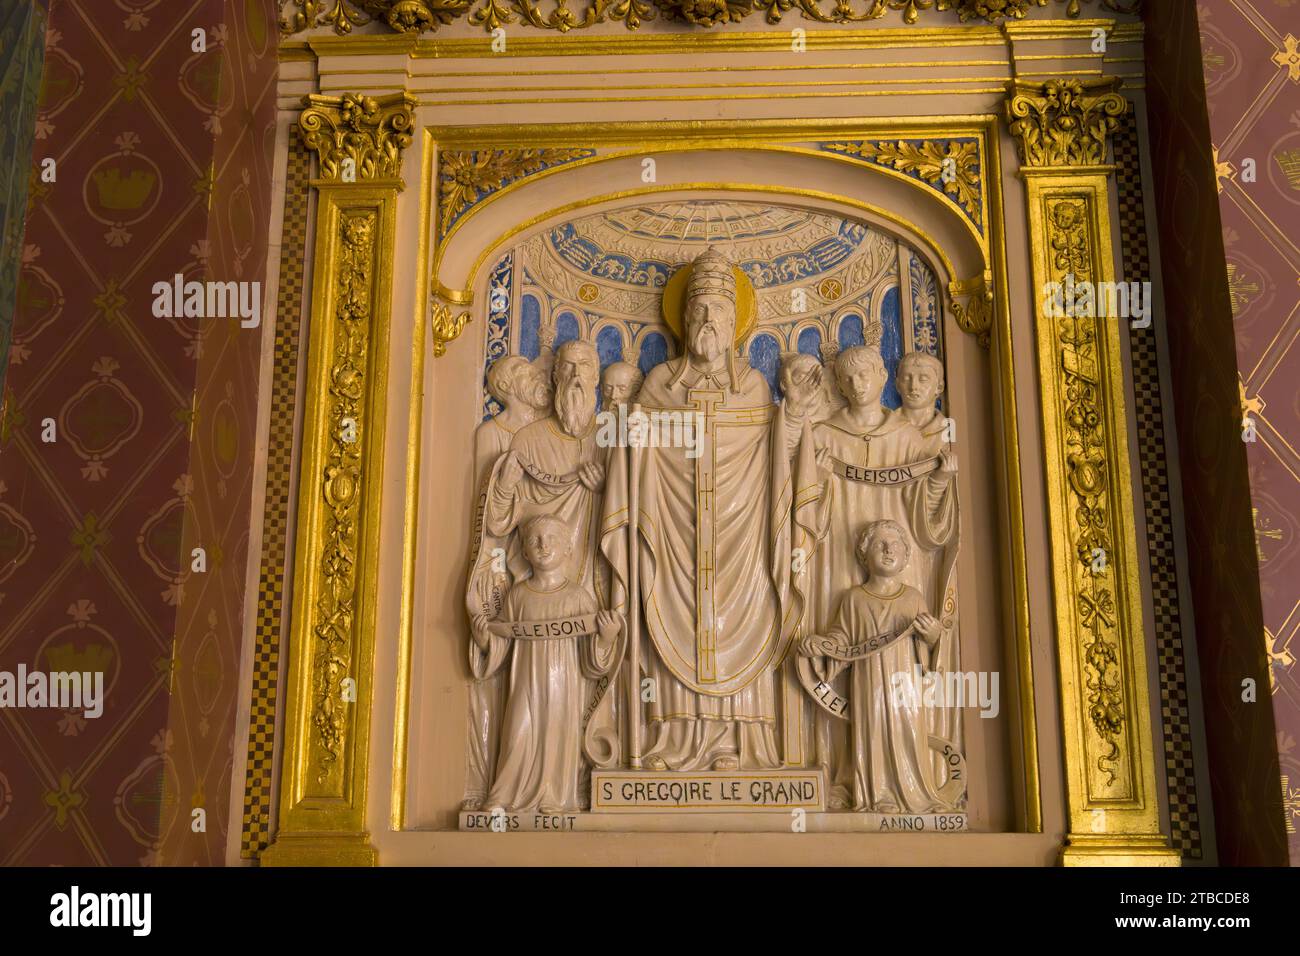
634, 599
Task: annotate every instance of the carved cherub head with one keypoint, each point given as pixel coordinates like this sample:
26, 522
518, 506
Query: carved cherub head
548, 541
860, 375
884, 549
919, 380
619, 385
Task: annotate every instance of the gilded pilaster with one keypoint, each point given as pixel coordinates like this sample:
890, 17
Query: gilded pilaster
358, 141
1062, 129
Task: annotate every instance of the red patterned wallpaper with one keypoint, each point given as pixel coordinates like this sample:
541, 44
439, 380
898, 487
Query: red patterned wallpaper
1251, 61
1240, 497
163, 167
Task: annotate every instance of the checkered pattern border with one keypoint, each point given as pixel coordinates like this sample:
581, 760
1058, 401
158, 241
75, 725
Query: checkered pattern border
255, 834
1175, 714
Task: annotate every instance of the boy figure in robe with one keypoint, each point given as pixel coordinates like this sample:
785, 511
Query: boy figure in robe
545, 619
920, 383
836, 492
893, 771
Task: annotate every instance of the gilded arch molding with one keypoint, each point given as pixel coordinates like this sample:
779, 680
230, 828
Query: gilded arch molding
896, 179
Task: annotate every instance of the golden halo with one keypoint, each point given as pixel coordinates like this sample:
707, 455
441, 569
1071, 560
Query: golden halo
675, 298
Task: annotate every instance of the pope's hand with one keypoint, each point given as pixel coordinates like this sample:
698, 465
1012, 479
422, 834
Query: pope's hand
592, 476
608, 624
512, 472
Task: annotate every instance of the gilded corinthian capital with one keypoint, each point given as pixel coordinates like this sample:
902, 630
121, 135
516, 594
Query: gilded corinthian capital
358, 138
1064, 122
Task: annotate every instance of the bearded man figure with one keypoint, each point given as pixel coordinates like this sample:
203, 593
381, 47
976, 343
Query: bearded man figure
552, 466
713, 545
524, 395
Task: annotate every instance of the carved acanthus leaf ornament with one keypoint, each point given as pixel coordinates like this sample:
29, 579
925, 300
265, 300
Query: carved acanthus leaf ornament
1064, 122
446, 326
951, 166
972, 307
466, 177
358, 138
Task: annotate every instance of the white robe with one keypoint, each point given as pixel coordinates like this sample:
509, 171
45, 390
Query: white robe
834, 511
712, 667
487, 696
540, 761
893, 769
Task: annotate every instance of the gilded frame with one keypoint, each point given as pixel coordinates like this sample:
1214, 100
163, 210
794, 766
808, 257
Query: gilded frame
978, 303
638, 139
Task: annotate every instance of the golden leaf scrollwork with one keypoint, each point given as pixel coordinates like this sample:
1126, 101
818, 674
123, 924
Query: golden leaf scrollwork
972, 307
706, 13
419, 16
465, 177
341, 485
560, 18
1077, 336
1064, 122
951, 166
994, 11
342, 15
446, 326
358, 138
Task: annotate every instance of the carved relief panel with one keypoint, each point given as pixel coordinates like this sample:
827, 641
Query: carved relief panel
713, 562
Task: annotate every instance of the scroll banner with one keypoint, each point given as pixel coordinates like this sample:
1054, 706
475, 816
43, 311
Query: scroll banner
545, 477
837, 705
554, 630
486, 590
893, 475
